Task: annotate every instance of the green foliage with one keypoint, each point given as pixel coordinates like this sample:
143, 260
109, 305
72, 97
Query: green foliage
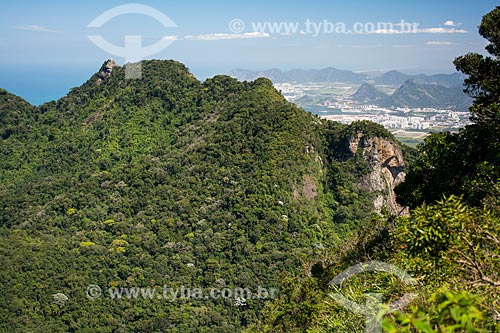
368, 129
483, 81
306, 304
455, 240
164, 181
445, 311
431, 229
465, 152
14, 111
453, 243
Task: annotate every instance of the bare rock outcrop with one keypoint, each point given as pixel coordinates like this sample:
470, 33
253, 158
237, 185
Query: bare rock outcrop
106, 70
386, 161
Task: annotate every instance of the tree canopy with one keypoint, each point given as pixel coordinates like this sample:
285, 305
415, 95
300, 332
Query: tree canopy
466, 162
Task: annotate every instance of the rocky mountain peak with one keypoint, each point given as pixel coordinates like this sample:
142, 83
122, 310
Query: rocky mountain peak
106, 69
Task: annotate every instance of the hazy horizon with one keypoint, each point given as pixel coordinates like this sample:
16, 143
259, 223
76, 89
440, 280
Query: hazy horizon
43, 84
46, 47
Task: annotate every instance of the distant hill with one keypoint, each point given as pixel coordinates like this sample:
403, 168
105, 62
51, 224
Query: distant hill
301, 75
392, 78
368, 93
418, 95
330, 74
395, 78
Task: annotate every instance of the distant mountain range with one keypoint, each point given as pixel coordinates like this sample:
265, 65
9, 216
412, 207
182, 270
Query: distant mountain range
395, 78
416, 95
330, 74
415, 91
301, 75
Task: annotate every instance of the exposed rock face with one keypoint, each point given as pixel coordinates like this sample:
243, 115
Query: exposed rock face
388, 170
106, 69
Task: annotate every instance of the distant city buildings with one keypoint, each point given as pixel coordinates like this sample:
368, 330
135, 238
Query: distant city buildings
339, 106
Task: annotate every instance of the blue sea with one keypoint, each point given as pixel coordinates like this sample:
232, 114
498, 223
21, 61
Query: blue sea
40, 84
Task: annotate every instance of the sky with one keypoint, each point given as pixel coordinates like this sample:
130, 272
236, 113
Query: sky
45, 47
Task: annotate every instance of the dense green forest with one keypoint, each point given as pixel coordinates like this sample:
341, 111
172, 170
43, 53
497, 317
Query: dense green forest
169, 181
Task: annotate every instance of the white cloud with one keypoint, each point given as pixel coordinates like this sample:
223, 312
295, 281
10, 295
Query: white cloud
386, 32
34, 27
172, 38
452, 24
441, 31
402, 46
358, 46
210, 37
439, 43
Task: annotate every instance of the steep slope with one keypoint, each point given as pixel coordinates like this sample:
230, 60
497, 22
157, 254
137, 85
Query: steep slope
166, 181
378, 159
387, 169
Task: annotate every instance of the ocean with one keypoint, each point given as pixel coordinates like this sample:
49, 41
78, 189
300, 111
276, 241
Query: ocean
39, 84
42, 83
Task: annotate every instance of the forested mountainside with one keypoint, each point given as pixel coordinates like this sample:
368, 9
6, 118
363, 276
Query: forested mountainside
170, 183
167, 181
